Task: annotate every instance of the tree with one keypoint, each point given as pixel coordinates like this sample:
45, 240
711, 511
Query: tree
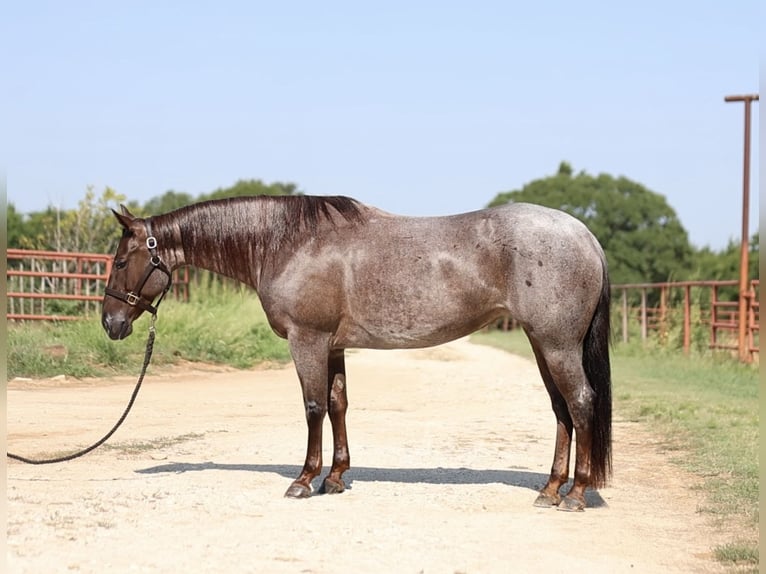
14, 226
168, 201
171, 200
250, 187
725, 265
641, 234
88, 229
34, 230
710, 265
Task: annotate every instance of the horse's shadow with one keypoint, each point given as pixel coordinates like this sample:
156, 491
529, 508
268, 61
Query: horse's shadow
521, 478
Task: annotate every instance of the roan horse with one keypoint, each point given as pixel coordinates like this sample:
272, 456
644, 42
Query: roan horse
333, 274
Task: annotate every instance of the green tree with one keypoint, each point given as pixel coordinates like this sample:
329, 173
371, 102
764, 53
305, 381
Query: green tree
168, 201
14, 227
250, 187
35, 230
171, 200
90, 228
641, 234
724, 265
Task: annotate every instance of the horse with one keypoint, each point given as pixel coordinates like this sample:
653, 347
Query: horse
333, 273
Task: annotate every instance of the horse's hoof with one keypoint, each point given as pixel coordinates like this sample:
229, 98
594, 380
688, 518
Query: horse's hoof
297, 490
330, 486
547, 501
570, 504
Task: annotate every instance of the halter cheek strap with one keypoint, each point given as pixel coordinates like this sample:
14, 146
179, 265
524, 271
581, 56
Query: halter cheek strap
133, 298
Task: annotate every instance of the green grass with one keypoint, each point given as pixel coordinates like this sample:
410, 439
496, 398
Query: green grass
219, 325
737, 553
706, 408
138, 447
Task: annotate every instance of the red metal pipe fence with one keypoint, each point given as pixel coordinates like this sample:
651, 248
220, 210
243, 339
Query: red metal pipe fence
59, 286
676, 305
683, 314
54, 286
50, 285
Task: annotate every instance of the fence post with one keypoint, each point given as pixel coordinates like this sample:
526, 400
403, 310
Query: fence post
752, 324
624, 315
744, 354
643, 314
664, 314
714, 317
687, 319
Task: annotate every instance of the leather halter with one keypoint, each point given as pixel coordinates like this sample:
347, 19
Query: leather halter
133, 298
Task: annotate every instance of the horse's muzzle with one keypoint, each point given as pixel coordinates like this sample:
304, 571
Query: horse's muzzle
117, 327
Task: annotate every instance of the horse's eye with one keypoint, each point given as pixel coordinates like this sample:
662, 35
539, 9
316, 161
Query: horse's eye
120, 264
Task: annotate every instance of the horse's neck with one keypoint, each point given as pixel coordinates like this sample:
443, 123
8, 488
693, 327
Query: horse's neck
246, 237
208, 241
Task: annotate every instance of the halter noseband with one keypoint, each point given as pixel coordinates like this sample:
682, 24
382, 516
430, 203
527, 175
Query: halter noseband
133, 298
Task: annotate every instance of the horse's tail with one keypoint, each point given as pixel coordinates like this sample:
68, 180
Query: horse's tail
595, 362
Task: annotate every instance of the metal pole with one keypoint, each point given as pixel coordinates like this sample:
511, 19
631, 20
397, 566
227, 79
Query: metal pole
744, 290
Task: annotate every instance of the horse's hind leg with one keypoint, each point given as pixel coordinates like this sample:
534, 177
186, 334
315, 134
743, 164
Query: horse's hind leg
338, 404
564, 369
549, 495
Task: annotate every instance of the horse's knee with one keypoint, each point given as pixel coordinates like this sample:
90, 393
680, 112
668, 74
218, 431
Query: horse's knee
315, 410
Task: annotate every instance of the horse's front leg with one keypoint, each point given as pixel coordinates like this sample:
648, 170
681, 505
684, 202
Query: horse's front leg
309, 352
338, 405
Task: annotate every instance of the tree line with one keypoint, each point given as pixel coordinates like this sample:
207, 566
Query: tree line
90, 227
641, 233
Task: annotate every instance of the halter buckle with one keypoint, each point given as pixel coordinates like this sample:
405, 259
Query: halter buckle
131, 299
151, 242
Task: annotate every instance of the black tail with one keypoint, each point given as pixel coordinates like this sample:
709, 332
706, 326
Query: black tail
595, 362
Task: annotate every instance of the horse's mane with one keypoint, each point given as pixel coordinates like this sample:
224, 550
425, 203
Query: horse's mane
236, 229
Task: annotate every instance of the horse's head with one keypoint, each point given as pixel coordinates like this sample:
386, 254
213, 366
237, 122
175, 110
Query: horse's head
138, 277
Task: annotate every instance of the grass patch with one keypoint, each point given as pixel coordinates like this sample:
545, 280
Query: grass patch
139, 447
738, 553
706, 408
219, 325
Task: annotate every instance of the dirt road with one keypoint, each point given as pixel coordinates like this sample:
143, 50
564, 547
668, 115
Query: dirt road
448, 447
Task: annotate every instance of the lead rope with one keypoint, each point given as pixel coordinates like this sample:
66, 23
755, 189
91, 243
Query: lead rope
147, 358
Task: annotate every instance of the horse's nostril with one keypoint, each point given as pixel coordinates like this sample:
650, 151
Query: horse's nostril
116, 327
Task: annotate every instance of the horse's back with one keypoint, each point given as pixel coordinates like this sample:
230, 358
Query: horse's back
540, 265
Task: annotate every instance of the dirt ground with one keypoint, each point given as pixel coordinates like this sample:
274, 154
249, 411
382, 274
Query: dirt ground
448, 447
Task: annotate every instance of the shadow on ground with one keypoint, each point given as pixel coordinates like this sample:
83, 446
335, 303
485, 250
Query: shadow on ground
520, 478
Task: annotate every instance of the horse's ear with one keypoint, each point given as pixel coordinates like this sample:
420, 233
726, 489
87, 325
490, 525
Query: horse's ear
126, 212
125, 218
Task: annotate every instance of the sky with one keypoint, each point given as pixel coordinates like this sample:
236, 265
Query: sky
419, 108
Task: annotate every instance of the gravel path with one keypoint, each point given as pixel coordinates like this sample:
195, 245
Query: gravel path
448, 447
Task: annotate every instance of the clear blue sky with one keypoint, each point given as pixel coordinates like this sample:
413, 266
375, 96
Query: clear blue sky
417, 107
